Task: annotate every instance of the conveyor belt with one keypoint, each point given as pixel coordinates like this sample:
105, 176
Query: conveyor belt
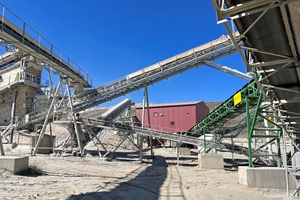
147, 76
7, 59
18, 37
106, 117
227, 111
160, 71
141, 131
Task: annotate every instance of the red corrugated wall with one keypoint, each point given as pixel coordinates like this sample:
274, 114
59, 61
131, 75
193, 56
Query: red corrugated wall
174, 118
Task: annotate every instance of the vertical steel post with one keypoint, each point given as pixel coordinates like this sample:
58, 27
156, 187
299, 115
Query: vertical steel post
270, 150
141, 136
177, 152
204, 140
251, 124
215, 142
232, 148
248, 133
23, 35
13, 110
148, 110
279, 162
1, 147
285, 165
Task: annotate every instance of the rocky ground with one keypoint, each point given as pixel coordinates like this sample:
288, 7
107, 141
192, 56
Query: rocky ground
123, 176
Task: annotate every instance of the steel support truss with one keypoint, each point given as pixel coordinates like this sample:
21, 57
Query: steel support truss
227, 111
263, 130
269, 62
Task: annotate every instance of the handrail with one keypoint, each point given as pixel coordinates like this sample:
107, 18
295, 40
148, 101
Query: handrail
40, 44
160, 71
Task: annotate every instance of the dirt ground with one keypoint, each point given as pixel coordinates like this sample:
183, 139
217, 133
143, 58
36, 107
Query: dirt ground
125, 177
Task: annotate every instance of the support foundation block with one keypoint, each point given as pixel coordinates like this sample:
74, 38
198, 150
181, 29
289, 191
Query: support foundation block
14, 164
265, 177
210, 161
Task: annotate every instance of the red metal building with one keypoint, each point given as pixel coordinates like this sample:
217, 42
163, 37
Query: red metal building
175, 117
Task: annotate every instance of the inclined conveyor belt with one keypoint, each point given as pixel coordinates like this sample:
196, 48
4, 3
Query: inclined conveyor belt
227, 111
160, 71
141, 131
18, 37
144, 77
6, 59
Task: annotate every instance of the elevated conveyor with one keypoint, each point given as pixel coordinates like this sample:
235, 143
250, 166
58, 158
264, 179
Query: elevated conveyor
79, 137
230, 109
11, 34
7, 59
271, 48
141, 131
178, 64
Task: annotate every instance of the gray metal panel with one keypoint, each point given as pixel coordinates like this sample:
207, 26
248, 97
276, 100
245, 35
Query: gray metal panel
269, 35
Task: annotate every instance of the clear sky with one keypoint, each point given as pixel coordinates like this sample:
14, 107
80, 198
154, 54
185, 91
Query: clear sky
112, 38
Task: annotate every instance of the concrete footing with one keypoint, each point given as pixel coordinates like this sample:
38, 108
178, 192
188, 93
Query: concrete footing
46, 144
210, 161
14, 164
265, 177
184, 151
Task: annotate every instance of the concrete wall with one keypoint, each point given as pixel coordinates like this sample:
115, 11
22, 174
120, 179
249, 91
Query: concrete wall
265, 177
184, 151
22, 80
14, 164
210, 161
46, 143
24, 104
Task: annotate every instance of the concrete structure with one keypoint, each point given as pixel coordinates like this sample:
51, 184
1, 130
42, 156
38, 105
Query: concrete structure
18, 82
265, 177
175, 117
14, 164
210, 161
184, 151
46, 144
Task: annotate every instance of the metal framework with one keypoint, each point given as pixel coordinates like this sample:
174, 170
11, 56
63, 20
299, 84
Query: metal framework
227, 111
259, 124
155, 73
270, 29
40, 48
202, 55
81, 133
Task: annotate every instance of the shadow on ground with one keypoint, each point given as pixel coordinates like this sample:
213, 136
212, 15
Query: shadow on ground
145, 185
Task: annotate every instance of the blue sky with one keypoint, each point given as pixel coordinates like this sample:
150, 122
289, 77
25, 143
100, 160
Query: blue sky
112, 38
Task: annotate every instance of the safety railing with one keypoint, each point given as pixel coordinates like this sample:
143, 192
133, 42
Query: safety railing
20, 30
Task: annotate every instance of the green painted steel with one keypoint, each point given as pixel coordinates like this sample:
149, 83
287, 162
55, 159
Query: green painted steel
260, 122
262, 125
226, 111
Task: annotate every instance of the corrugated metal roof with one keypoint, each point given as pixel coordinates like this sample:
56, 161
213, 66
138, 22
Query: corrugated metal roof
140, 105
